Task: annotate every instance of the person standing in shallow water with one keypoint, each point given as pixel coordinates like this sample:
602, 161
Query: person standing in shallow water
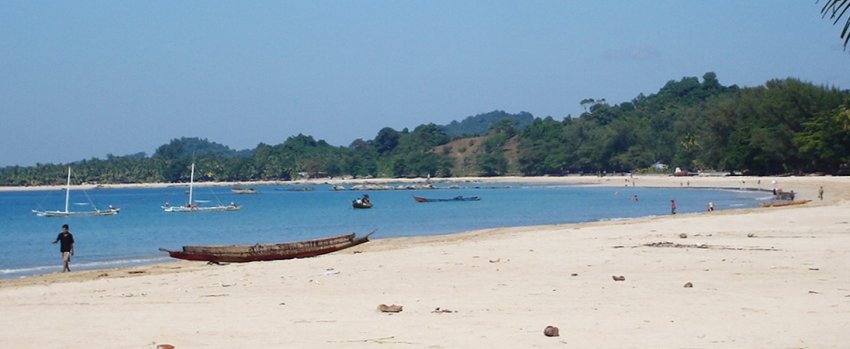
672, 206
66, 247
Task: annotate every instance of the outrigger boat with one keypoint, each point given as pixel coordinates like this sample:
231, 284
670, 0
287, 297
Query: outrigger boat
192, 206
67, 213
267, 252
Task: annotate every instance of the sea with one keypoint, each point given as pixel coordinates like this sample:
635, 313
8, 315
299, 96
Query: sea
281, 213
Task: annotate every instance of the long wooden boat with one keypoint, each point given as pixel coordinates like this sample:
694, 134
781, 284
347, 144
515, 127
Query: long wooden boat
267, 252
244, 191
456, 198
785, 203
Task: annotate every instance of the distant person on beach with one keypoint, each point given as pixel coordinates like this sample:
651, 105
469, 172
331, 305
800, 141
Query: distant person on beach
66, 247
820, 193
672, 206
710, 206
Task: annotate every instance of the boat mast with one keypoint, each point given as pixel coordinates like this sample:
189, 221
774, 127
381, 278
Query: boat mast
68, 189
191, 183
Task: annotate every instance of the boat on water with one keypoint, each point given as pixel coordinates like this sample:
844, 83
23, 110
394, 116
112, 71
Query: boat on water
67, 213
363, 202
194, 205
296, 189
456, 198
268, 252
244, 191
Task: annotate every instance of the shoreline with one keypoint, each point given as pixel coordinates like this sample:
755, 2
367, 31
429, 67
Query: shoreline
805, 191
707, 182
650, 180
762, 278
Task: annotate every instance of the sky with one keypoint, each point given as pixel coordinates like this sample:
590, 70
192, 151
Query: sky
85, 79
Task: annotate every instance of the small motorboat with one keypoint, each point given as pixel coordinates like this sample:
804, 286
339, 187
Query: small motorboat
362, 202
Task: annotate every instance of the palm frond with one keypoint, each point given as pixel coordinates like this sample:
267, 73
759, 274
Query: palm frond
836, 9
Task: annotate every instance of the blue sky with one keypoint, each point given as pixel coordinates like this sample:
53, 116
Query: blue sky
86, 79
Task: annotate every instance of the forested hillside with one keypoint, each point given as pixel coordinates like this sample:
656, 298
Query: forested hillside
782, 127
480, 124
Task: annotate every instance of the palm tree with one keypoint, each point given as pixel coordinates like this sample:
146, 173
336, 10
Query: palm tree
836, 9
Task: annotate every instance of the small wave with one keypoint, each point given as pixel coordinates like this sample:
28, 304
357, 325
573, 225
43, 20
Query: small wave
30, 270
5, 273
615, 219
120, 262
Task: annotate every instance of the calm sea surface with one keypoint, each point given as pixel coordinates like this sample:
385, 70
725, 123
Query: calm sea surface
279, 214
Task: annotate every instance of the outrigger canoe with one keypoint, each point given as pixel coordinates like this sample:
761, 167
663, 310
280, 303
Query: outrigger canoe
267, 252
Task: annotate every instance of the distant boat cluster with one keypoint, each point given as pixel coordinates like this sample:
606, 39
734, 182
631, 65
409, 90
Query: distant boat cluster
192, 205
387, 187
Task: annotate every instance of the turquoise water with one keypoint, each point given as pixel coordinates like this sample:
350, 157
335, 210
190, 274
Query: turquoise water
277, 214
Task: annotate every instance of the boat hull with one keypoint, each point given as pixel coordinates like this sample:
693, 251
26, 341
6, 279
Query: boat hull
456, 198
267, 252
200, 208
361, 204
76, 213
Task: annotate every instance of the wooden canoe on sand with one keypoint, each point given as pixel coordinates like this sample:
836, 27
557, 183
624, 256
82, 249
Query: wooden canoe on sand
267, 252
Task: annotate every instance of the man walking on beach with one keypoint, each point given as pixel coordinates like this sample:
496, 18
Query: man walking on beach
66, 246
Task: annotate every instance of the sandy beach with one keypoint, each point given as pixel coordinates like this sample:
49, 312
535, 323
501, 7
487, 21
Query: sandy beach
760, 278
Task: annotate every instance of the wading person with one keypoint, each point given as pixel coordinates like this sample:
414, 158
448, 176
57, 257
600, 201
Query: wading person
66, 247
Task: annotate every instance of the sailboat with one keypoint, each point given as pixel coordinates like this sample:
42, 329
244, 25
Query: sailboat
66, 213
192, 206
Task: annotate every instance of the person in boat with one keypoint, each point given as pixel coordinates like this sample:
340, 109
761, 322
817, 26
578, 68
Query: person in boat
66, 247
365, 199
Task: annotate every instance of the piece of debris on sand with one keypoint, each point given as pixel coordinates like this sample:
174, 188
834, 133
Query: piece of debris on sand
551, 331
389, 308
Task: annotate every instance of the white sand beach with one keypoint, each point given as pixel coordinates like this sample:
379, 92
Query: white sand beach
761, 278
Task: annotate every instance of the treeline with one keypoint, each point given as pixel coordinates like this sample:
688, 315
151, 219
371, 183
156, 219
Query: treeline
783, 127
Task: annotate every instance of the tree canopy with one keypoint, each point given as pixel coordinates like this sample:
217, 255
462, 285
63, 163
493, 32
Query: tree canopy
785, 126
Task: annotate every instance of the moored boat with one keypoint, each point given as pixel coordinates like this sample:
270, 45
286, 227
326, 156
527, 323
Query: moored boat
456, 198
244, 191
267, 252
194, 206
111, 211
363, 202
